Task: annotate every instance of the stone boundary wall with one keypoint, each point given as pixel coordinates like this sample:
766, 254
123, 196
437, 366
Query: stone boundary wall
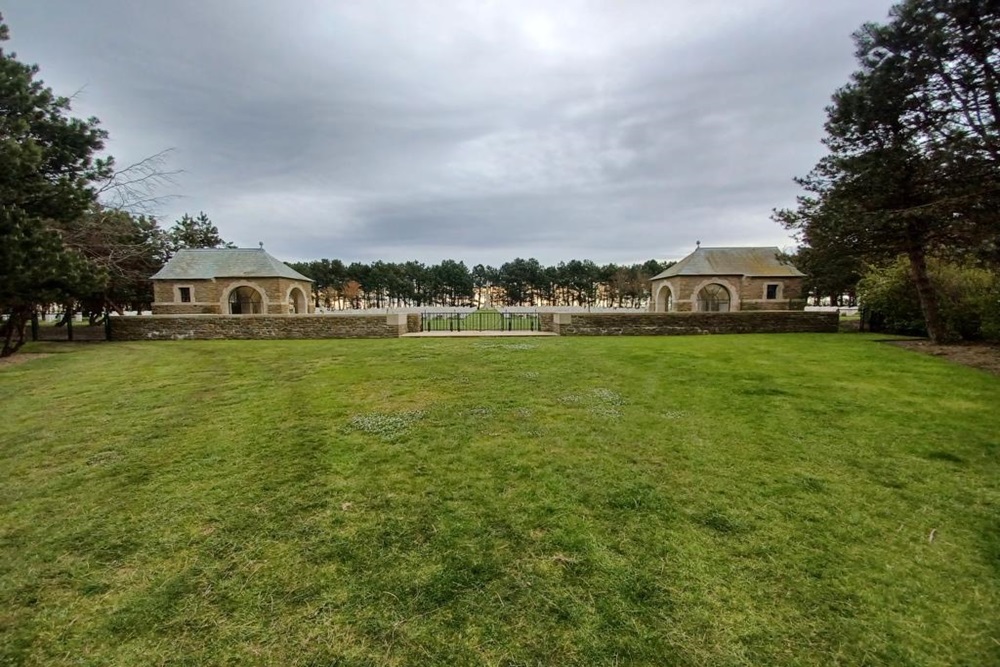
257, 327
677, 324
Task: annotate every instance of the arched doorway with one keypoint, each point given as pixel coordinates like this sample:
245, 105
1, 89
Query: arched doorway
245, 301
664, 300
297, 301
713, 298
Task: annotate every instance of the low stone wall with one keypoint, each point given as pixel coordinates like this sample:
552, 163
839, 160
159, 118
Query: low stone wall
254, 327
675, 324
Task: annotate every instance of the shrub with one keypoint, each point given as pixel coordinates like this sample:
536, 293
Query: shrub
968, 297
990, 308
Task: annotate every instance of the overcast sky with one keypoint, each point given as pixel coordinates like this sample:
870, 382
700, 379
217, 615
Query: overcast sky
481, 131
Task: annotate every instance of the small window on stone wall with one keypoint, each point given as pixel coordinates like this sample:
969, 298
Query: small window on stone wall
772, 291
185, 293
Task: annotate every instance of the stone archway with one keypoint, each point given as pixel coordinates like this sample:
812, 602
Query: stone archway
664, 299
297, 303
245, 300
714, 298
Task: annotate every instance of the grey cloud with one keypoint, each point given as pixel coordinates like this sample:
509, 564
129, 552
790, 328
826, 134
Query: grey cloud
427, 129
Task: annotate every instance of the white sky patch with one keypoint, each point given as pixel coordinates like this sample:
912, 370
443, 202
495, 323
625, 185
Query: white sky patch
540, 32
527, 161
251, 217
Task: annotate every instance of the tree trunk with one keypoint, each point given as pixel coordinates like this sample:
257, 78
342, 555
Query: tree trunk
936, 329
12, 331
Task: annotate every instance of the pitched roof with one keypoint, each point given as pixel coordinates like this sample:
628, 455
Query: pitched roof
763, 262
208, 263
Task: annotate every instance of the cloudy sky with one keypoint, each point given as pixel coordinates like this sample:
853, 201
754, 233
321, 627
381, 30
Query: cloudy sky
484, 130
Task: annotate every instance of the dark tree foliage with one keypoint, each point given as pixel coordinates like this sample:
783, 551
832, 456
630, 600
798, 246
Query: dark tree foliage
520, 282
453, 283
36, 268
198, 232
47, 159
48, 172
913, 165
830, 274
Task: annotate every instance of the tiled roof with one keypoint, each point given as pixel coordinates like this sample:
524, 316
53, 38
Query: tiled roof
208, 263
763, 262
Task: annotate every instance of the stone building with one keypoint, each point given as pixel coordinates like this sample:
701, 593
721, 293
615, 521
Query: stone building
229, 281
727, 279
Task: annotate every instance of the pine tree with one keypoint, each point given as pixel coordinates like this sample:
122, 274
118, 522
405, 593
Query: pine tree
48, 167
913, 167
196, 232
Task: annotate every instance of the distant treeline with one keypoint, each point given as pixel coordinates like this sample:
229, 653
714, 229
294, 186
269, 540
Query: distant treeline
521, 282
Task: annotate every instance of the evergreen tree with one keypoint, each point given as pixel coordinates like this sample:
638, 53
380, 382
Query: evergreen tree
196, 232
913, 166
47, 159
36, 268
48, 168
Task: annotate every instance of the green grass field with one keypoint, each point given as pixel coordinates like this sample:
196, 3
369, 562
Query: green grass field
715, 500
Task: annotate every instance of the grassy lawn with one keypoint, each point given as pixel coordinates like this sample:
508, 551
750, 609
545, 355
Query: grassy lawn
715, 500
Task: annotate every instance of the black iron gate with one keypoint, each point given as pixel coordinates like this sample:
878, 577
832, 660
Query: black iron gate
479, 320
52, 330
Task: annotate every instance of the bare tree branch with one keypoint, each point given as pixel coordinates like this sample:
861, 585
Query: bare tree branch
134, 188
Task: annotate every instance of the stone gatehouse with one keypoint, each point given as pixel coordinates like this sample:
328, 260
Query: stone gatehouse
729, 279
229, 281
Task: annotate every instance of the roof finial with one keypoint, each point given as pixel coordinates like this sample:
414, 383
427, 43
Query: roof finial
261, 244
697, 244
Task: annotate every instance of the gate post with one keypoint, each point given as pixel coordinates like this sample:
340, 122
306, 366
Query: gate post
34, 325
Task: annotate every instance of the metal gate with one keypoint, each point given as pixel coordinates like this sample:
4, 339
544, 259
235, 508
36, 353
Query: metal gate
479, 320
70, 331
